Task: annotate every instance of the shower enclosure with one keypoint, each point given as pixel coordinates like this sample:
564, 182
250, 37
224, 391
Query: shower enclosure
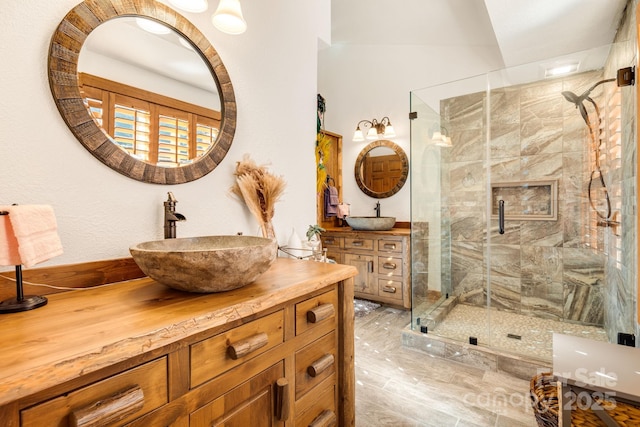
524, 206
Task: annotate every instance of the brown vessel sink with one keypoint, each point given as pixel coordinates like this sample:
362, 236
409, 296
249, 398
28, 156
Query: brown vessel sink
206, 264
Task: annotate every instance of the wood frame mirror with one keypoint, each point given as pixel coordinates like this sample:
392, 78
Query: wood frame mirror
385, 177
66, 43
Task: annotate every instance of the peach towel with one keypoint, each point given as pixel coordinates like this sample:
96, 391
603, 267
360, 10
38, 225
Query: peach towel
28, 235
343, 210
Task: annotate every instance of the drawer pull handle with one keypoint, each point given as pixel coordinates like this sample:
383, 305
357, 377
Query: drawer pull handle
320, 365
247, 345
390, 246
389, 265
370, 267
326, 419
319, 313
389, 289
357, 243
110, 410
282, 399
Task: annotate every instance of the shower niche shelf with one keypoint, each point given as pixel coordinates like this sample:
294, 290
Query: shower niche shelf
526, 200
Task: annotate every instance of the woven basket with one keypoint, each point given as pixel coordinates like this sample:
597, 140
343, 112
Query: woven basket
544, 401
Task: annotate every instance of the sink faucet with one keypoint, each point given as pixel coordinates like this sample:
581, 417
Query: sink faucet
171, 217
377, 209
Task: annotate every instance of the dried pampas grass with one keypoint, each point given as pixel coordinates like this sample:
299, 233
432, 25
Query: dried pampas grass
260, 190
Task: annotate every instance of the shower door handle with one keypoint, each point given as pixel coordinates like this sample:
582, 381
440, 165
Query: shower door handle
501, 216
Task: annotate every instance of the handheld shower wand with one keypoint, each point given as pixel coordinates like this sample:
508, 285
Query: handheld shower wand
596, 142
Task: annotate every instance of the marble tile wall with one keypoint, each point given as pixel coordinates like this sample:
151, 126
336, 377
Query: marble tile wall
551, 269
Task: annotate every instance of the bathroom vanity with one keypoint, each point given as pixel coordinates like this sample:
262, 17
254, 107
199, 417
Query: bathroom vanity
382, 258
277, 352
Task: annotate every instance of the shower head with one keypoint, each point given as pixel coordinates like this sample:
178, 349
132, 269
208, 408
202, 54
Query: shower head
571, 97
575, 99
578, 101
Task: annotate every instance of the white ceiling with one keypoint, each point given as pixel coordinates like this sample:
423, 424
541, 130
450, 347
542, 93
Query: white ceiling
522, 31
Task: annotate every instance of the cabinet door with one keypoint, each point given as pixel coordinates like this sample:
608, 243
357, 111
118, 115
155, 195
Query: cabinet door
364, 282
252, 403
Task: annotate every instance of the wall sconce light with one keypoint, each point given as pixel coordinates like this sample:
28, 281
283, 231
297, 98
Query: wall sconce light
228, 17
440, 138
376, 128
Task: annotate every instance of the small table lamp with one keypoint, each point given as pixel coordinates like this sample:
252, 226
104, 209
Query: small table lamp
27, 236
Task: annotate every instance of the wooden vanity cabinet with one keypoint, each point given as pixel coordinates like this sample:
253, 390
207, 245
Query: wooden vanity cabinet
278, 352
382, 258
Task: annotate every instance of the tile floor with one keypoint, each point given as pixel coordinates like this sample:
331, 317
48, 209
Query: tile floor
399, 386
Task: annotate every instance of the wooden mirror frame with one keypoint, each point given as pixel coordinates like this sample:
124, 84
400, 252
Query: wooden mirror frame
64, 52
405, 168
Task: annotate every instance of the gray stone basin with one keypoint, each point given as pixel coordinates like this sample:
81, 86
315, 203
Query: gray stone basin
206, 264
371, 223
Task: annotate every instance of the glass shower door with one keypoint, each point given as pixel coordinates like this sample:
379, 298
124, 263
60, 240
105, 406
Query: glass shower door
449, 211
430, 233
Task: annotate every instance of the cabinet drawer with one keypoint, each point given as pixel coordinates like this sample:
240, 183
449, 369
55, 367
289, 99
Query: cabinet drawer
389, 266
315, 362
390, 289
218, 354
312, 407
351, 243
332, 242
137, 391
390, 245
317, 311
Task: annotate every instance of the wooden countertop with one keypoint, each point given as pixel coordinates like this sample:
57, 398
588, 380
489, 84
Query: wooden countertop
79, 332
392, 232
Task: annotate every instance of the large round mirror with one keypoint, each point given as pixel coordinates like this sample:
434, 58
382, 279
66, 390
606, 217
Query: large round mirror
156, 105
381, 169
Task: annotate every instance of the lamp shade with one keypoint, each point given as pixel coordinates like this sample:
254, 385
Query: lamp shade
228, 17
373, 133
389, 132
358, 136
195, 6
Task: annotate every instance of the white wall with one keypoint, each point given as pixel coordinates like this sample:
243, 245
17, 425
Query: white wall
372, 81
100, 213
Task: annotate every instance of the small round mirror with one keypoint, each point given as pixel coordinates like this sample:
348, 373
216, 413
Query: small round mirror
381, 169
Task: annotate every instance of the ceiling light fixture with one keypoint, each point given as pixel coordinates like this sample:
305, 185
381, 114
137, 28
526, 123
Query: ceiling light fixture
376, 129
559, 70
228, 17
195, 6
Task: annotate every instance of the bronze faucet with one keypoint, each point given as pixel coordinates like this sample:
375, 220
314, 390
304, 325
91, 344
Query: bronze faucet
171, 217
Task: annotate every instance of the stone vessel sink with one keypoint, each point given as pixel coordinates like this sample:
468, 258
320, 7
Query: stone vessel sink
206, 264
371, 223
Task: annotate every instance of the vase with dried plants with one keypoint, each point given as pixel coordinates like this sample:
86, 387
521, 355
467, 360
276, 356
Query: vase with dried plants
260, 190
